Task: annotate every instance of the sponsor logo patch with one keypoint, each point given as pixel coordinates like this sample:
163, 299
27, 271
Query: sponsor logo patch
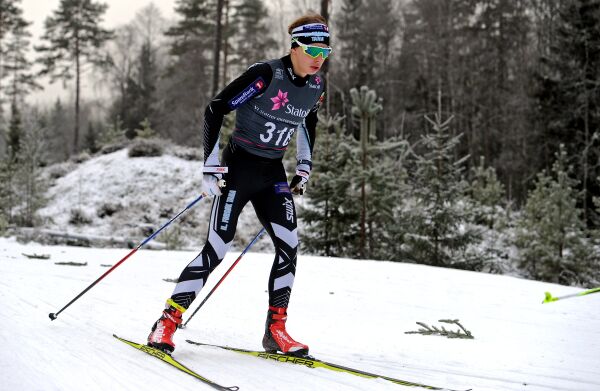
248, 93
282, 188
280, 100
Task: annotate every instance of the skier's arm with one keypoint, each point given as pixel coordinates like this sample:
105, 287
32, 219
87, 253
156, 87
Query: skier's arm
252, 82
305, 143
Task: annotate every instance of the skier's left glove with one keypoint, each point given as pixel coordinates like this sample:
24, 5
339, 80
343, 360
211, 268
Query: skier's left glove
299, 181
212, 180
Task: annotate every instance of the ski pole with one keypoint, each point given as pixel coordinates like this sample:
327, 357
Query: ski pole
53, 315
262, 231
549, 298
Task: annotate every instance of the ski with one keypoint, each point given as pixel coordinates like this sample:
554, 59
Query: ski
171, 361
311, 362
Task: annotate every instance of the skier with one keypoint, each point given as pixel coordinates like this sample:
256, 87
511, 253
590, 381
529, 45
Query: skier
274, 100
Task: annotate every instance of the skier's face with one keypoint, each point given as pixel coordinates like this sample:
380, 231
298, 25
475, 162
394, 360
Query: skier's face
304, 62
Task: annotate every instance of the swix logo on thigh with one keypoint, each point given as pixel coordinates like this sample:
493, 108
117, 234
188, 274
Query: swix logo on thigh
227, 210
289, 209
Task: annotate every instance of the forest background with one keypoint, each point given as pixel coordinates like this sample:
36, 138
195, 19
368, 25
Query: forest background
456, 133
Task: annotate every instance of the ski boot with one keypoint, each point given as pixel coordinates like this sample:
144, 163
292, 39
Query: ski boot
161, 336
276, 337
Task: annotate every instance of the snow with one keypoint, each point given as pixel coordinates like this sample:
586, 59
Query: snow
147, 191
353, 313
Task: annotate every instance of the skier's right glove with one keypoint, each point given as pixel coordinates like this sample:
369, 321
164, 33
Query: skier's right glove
299, 181
212, 180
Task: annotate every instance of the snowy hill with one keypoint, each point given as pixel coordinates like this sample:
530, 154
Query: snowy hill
350, 312
129, 198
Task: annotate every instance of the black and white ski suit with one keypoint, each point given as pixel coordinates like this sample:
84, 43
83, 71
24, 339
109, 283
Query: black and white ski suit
273, 104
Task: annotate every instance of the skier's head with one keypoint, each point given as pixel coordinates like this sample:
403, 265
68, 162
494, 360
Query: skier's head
310, 43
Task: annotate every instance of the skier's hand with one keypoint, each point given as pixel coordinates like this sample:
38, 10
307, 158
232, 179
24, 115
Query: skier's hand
298, 183
212, 180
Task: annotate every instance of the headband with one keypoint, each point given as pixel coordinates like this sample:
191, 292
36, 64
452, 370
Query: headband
311, 33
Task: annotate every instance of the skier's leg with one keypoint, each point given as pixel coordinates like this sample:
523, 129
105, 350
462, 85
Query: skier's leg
224, 215
276, 211
221, 230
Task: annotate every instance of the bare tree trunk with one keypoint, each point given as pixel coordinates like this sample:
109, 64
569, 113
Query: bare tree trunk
364, 136
217, 48
325, 68
77, 92
225, 43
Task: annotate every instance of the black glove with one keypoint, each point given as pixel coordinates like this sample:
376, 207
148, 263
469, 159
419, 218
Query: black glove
299, 181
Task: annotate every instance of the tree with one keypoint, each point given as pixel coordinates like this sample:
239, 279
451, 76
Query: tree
365, 107
331, 220
17, 68
568, 95
59, 121
31, 187
368, 41
73, 38
14, 134
552, 236
9, 16
251, 34
137, 62
185, 89
440, 223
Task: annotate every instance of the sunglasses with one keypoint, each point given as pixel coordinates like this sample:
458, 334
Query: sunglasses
314, 51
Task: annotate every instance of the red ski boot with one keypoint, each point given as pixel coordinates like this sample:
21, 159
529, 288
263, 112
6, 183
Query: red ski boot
276, 337
161, 336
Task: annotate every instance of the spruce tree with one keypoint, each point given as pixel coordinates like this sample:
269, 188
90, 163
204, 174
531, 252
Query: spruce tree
568, 95
29, 183
185, 90
441, 224
487, 194
73, 38
331, 218
14, 134
9, 15
251, 40
552, 235
15, 65
58, 130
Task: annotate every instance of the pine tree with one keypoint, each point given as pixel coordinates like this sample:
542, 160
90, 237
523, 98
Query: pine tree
353, 209
552, 236
15, 64
91, 139
9, 15
139, 99
251, 38
186, 88
488, 195
14, 134
73, 38
59, 123
441, 230
332, 216
30, 186
368, 42
568, 95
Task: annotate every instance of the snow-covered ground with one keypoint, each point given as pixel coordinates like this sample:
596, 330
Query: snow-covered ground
142, 193
350, 312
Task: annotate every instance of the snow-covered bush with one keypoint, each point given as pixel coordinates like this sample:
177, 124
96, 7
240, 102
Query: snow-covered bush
146, 148
79, 217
